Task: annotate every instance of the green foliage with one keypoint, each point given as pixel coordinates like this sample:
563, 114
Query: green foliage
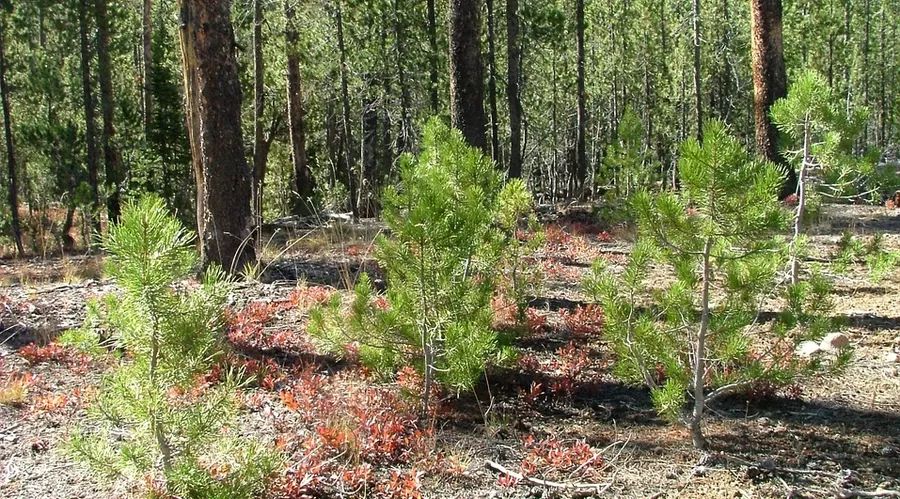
832, 129
149, 412
640, 81
626, 163
721, 228
83, 339
879, 261
522, 236
449, 219
807, 308
162, 164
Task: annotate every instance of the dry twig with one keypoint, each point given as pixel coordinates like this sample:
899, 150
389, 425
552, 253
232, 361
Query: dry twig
847, 494
598, 488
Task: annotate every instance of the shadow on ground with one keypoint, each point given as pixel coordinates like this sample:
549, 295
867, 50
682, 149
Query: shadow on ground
812, 434
323, 272
839, 222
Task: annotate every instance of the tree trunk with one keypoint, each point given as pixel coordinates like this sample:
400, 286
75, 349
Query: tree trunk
12, 184
832, 33
847, 43
513, 60
365, 202
147, 56
492, 85
260, 147
882, 101
806, 161
90, 133
68, 241
769, 81
865, 66
554, 121
698, 96
303, 179
581, 128
724, 86
699, 377
345, 101
405, 139
466, 72
111, 159
213, 91
433, 57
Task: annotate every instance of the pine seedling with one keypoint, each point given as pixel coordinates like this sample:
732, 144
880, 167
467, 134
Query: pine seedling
150, 421
719, 237
449, 218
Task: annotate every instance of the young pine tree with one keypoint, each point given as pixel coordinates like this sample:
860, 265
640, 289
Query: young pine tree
824, 133
448, 217
149, 421
718, 236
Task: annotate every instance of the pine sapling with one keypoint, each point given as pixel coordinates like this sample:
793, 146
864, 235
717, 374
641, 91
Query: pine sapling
719, 236
824, 133
151, 419
449, 218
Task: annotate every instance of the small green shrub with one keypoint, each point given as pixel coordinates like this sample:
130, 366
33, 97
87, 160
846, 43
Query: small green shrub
449, 218
151, 420
718, 236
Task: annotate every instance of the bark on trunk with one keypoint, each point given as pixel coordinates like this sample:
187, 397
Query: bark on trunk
260, 147
513, 55
365, 203
111, 158
68, 240
213, 93
699, 375
303, 179
466, 72
698, 96
12, 181
801, 201
404, 140
147, 56
882, 65
345, 101
90, 113
580, 173
769, 81
492, 85
867, 13
433, 57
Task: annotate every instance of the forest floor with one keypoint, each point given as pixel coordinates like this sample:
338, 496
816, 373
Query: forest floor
560, 415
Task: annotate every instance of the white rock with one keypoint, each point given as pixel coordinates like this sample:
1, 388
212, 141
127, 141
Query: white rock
834, 341
892, 358
807, 349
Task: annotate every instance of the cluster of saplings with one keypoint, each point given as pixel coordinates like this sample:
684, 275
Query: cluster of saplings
455, 243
